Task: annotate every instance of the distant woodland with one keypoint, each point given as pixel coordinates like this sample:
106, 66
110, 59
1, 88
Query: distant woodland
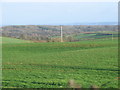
47, 33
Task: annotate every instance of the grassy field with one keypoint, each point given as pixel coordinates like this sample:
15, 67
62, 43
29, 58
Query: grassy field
91, 36
52, 65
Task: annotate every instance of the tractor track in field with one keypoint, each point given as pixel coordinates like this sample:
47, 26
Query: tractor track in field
35, 82
43, 66
60, 70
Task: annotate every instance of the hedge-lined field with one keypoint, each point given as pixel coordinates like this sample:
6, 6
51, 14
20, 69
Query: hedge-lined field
51, 65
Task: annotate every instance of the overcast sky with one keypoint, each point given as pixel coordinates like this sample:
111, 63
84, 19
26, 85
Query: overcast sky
42, 13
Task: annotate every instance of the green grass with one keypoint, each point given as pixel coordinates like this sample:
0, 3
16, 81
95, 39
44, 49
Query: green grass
13, 40
99, 35
51, 65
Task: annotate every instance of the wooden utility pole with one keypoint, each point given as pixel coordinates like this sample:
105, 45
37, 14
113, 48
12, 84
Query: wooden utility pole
61, 33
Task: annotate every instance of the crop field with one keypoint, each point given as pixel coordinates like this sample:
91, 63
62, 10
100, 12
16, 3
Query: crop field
27, 64
92, 35
84, 36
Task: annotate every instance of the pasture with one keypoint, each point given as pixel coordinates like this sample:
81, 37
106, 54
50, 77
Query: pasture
27, 64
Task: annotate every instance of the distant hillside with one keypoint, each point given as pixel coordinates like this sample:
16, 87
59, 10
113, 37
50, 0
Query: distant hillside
93, 23
46, 32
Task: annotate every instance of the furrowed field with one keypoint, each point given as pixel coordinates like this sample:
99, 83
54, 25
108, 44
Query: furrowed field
52, 65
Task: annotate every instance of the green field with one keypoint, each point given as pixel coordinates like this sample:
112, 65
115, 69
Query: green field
13, 40
84, 36
52, 65
91, 36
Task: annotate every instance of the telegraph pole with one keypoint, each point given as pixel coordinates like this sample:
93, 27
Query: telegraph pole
61, 33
